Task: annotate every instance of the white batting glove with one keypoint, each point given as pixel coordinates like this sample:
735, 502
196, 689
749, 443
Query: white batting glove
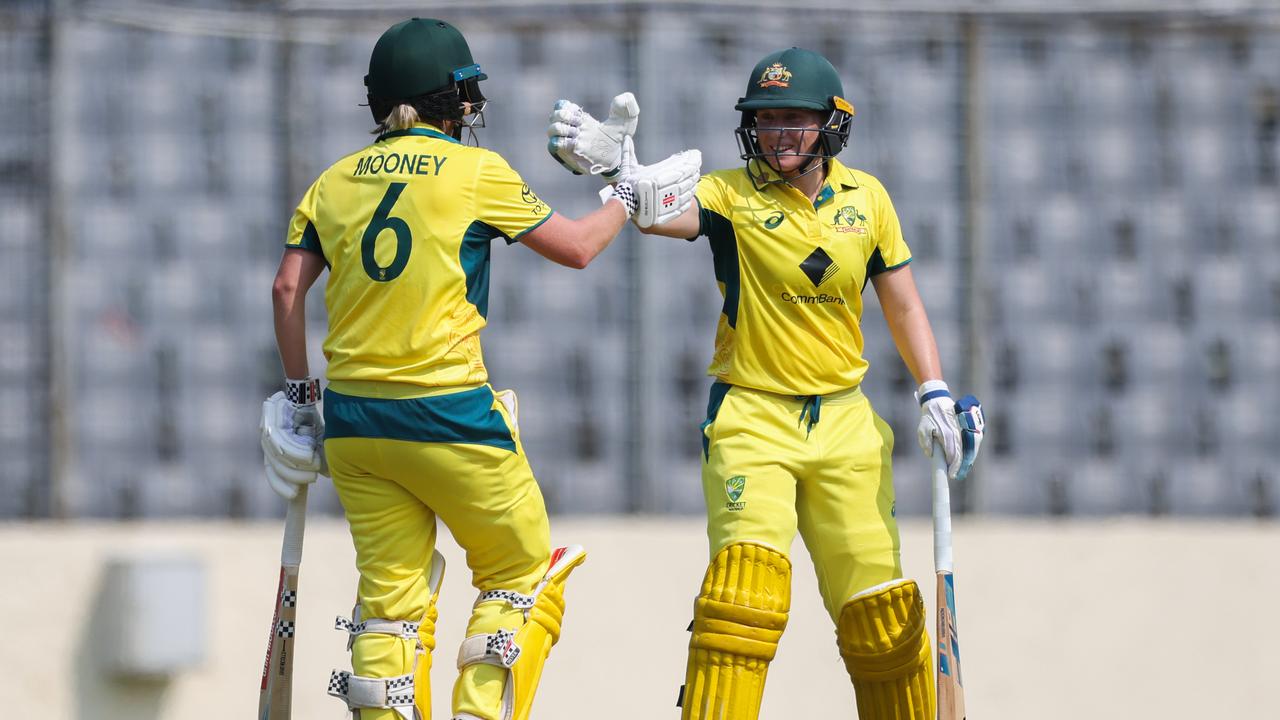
655, 194
938, 422
585, 145
292, 436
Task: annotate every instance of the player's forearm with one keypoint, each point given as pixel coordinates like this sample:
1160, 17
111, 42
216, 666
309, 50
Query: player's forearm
913, 336
908, 323
289, 304
598, 229
575, 243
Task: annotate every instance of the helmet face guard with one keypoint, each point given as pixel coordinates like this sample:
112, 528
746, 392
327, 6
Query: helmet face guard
466, 83
833, 136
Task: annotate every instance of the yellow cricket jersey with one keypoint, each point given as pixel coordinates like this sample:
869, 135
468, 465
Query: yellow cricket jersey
792, 272
405, 226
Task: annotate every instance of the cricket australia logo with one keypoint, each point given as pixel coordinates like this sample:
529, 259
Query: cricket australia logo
776, 75
848, 219
819, 267
733, 488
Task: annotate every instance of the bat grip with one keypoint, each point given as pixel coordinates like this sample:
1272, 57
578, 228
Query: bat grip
942, 560
295, 521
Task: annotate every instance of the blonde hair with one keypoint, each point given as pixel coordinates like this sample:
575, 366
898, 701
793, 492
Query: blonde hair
401, 117
405, 115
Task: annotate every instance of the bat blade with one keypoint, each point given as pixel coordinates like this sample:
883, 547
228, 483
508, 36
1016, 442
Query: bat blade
950, 679
275, 697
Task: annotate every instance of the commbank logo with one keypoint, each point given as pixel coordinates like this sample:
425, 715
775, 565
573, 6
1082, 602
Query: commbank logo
819, 267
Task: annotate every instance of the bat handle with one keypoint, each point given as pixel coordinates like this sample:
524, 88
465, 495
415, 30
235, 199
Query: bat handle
942, 559
295, 521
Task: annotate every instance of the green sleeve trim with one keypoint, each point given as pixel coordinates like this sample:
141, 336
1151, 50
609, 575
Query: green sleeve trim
701, 221
310, 241
530, 229
875, 266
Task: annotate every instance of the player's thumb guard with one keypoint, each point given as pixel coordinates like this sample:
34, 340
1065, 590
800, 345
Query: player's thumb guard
625, 110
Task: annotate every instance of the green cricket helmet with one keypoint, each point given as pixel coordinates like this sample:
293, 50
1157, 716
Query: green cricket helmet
794, 78
426, 63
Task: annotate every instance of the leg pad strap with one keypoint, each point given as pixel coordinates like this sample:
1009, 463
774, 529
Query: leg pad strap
366, 692
395, 692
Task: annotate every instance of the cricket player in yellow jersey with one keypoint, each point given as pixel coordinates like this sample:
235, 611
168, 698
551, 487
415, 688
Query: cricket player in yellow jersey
411, 429
790, 442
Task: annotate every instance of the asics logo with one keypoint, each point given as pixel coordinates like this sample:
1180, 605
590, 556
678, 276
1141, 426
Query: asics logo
774, 220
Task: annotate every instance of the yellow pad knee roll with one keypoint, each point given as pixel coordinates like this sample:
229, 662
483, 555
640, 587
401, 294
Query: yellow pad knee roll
738, 619
882, 638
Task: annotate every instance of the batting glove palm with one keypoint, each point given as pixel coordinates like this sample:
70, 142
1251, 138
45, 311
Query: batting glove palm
584, 145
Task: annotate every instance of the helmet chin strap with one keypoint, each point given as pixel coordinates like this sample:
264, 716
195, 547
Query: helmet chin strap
817, 162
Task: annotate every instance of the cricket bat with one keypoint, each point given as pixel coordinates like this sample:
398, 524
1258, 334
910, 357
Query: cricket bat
276, 697
950, 680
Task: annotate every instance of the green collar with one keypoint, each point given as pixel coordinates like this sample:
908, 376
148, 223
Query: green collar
420, 130
825, 194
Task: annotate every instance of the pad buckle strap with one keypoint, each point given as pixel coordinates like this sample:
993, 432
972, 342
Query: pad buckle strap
400, 628
358, 691
519, 601
498, 648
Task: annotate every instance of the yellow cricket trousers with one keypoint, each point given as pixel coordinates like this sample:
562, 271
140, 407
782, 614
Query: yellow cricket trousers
820, 464
399, 462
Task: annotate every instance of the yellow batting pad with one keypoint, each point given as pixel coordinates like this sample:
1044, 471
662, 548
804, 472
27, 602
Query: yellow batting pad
882, 638
391, 660
541, 631
427, 637
500, 671
738, 619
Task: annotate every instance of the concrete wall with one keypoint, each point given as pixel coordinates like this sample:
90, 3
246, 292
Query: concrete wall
1108, 619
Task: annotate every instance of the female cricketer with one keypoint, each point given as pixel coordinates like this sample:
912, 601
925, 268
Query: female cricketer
411, 429
790, 442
